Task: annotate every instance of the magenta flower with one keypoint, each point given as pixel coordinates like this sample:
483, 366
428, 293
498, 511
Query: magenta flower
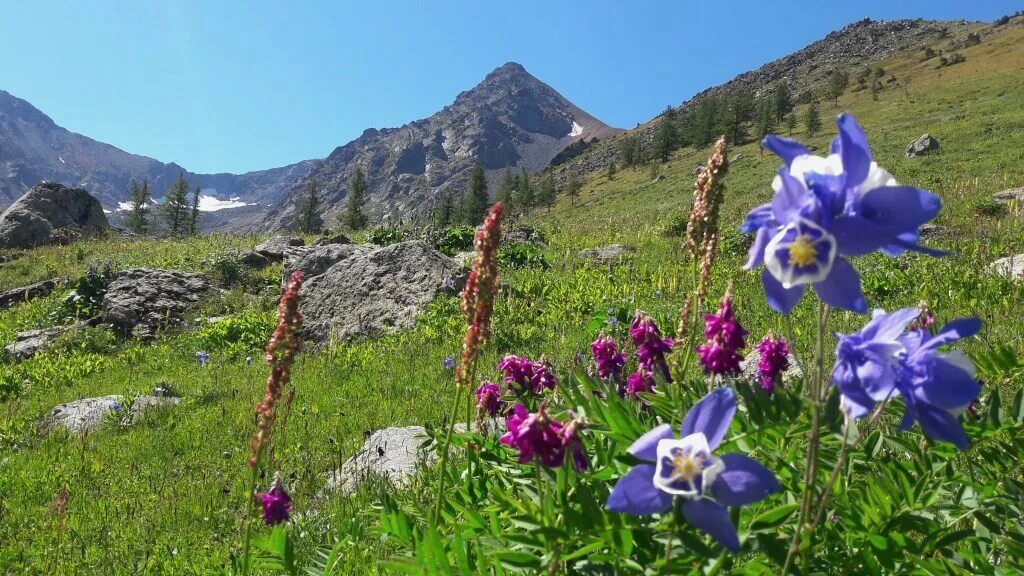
523, 374
538, 437
277, 506
774, 361
725, 338
651, 347
572, 444
640, 381
607, 357
488, 398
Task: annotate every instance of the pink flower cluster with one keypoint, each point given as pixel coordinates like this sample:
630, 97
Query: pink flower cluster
774, 353
651, 347
524, 375
538, 437
607, 357
488, 399
276, 504
725, 338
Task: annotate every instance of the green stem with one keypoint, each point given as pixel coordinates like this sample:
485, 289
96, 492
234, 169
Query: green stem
250, 494
443, 465
671, 535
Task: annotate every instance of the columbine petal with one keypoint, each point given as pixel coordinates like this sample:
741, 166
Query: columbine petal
841, 289
950, 387
955, 330
853, 149
713, 519
755, 256
646, 446
785, 148
790, 196
857, 236
901, 208
742, 482
757, 218
711, 416
636, 494
781, 299
941, 425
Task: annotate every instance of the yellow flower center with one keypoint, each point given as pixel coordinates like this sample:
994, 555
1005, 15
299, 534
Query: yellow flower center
686, 467
802, 251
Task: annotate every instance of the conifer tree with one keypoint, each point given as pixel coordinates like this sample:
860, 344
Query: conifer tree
309, 220
783, 101
611, 170
193, 221
547, 195
765, 120
507, 189
446, 211
526, 198
812, 119
665, 139
175, 209
138, 215
477, 201
354, 217
628, 151
573, 189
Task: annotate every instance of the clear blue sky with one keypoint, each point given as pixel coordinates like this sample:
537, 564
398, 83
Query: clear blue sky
224, 86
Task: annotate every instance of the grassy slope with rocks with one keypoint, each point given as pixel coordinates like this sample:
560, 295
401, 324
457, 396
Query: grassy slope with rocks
165, 495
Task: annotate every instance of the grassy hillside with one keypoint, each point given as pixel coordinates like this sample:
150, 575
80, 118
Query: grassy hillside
166, 495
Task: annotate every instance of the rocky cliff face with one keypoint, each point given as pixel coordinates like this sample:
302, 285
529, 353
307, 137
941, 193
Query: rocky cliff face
511, 119
33, 149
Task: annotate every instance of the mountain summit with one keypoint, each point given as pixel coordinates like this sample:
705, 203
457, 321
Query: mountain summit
509, 120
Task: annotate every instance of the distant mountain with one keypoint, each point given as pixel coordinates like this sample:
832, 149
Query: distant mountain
510, 119
33, 148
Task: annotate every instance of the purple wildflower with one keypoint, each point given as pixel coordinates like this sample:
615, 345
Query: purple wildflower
686, 468
640, 381
525, 375
536, 436
651, 347
202, 358
607, 357
572, 444
488, 398
925, 319
277, 506
448, 362
725, 338
774, 353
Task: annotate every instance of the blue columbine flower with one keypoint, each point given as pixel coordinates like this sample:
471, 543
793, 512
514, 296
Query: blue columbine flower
449, 362
827, 208
687, 468
202, 358
885, 360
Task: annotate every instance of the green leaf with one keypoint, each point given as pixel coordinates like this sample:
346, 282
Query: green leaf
772, 519
519, 560
951, 538
1018, 407
994, 408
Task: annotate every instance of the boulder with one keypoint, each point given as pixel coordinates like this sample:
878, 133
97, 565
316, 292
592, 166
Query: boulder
51, 213
31, 342
26, 293
274, 248
1011, 195
368, 290
923, 145
86, 415
524, 235
255, 260
328, 240
606, 255
141, 301
1011, 267
928, 229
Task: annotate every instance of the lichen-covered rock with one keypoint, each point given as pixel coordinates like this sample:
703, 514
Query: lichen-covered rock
26, 293
923, 145
524, 235
88, 414
51, 213
255, 260
141, 301
606, 255
1011, 267
1011, 195
368, 290
275, 248
335, 239
31, 342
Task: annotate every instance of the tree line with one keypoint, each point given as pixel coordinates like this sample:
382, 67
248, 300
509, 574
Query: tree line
178, 215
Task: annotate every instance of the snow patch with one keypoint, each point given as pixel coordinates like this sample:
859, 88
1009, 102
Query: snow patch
576, 130
206, 204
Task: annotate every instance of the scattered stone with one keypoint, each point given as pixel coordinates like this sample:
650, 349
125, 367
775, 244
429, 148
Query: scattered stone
88, 414
735, 158
5, 258
275, 248
606, 255
368, 290
141, 301
524, 235
929, 229
255, 260
926, 143
26, 293
1011, 267
749, 368
51, 213
1011, 195
466, 258
329, 240
697, 171
31, 342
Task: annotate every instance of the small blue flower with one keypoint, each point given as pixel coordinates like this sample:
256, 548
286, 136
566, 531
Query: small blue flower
613, 322
687, 468
202, 358
248, 360
826, 209
449, 362
885, 360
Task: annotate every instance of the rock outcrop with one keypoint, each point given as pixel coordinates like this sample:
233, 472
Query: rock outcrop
51, 213
88, 414
366, 290
1011, 195
142, 301
922, 145
1011, 267
31, 342
25, 293
606, 255
275, 248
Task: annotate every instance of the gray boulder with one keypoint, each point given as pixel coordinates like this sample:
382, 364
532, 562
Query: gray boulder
274, 248
368, 290
923, 145
141, 301
1011, 195
606, 255
524, 235
328, 240
51, 213
88, 414
31, 342
1011, 267
255, 260
26, 293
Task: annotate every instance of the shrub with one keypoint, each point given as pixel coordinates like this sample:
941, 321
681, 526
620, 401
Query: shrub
86, 296
523, 256
227, 268
676, 228
989, 208
238, 336
456, 239
383, 236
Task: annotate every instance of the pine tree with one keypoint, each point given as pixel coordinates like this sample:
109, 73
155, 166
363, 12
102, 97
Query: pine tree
573, 189
477, 201
138, 216
837, 82
309, 221
628, 151
507, 189
547, 195
446, 211
783, 101
791, 123
526, 198
355, 219
765, 121
665, 139
611, 170
193, 221
175, 209
812, 119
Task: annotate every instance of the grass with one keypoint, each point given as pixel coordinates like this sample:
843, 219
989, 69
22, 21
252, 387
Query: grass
165, 495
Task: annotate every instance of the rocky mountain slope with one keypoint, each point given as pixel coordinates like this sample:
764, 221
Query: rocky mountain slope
33, 148
511, 119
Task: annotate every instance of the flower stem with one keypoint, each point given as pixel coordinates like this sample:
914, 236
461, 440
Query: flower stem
671, 536
445, 449
250, 495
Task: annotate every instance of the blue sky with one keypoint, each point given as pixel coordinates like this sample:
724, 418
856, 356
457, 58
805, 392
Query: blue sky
219, 86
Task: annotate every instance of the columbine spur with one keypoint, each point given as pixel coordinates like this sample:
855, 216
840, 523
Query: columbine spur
828, 208
686, 468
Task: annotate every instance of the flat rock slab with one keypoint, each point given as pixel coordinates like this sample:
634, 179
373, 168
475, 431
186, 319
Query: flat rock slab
1011, 195
275, 248
31, 342
369, 290
88, 414
606, 255
26, 293
328, 240
141, 301
1011, 267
